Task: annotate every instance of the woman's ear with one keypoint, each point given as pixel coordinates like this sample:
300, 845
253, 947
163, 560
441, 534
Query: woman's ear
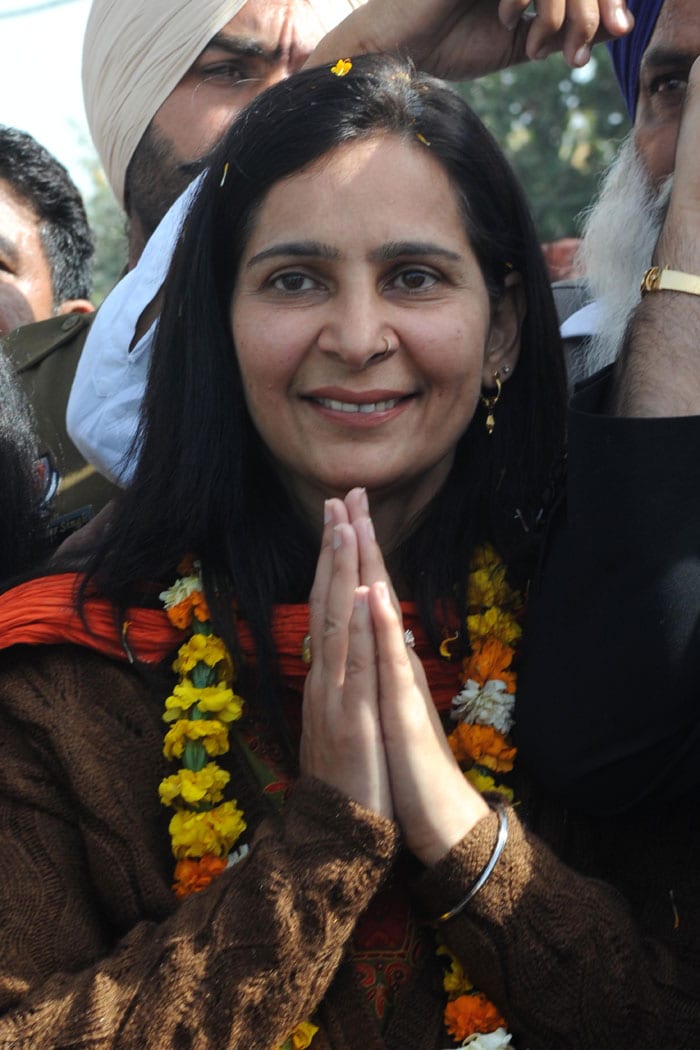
503, 344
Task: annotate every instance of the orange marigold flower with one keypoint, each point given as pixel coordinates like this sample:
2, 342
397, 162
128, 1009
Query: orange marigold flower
490, 659
482, 744
191, 876
472, 1013
180, 615
200, 607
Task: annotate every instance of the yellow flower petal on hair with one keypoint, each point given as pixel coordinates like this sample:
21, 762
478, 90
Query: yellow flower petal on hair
342, 67
190, 788
214, 831
210, 732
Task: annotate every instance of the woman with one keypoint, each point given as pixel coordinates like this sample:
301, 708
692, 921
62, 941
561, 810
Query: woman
359, 273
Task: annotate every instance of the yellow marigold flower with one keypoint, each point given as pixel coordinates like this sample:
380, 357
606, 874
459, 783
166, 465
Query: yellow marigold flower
494, 623
214, 831
209, 732
342, 67
214, 699
455, 981
303, 1034
486, 557
471, 1013
190, 788
489, 588
486, 784
200, 648
483, 745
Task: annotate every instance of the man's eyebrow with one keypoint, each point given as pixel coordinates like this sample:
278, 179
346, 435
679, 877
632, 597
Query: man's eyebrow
398, 249
667, 56
242, 46
296, 249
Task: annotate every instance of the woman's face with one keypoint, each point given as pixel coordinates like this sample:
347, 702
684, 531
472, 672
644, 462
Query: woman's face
362, 323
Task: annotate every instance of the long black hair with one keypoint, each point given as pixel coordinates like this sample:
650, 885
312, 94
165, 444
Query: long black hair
203, 481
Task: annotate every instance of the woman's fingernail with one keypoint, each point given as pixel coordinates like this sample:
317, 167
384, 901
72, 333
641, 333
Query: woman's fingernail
327, 516
365, 501
623, 19
360, 597
582, 55
383, 592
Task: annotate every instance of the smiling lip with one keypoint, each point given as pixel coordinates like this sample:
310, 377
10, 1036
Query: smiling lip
371, 402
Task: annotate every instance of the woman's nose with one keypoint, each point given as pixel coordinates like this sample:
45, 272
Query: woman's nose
359, 334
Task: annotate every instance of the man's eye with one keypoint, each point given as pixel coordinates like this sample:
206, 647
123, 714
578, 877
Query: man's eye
669, 84
224, 71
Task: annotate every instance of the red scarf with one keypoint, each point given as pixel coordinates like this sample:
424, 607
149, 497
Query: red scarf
44, 611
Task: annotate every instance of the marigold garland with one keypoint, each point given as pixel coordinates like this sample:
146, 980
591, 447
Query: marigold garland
483, 711
204, 828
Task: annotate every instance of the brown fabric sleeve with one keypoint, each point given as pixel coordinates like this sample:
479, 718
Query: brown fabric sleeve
238, 965
560, 954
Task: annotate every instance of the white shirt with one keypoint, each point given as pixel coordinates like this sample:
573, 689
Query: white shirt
104, 406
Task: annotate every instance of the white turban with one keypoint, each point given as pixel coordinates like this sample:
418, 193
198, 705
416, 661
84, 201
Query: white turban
136, 51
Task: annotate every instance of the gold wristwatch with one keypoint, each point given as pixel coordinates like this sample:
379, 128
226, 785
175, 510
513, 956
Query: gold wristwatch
661, 279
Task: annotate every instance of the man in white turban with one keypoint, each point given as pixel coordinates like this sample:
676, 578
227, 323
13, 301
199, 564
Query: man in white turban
163, 79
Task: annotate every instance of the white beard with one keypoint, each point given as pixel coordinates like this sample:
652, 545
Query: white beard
620, 232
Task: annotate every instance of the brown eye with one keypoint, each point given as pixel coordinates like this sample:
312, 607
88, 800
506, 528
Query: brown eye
415, 280
293, 282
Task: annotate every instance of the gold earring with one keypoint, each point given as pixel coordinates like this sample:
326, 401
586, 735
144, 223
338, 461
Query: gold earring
490, 403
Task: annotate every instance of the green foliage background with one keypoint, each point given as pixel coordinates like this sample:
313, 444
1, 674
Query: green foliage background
559, 128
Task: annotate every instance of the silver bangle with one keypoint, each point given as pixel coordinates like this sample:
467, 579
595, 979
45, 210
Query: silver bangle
501, 840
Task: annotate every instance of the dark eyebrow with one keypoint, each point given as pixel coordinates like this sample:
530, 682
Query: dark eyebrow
242, 46
666, 56
398, 249
297, 249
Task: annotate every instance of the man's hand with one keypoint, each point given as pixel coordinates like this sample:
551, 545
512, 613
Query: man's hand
463, 39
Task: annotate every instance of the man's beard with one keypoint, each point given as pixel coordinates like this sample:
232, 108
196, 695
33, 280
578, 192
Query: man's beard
620, 232
155, 179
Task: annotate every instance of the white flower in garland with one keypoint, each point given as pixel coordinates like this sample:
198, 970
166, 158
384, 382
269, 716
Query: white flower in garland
487, 705
180, 590
497, 1040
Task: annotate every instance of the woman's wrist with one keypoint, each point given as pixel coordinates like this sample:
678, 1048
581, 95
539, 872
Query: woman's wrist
457, 822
